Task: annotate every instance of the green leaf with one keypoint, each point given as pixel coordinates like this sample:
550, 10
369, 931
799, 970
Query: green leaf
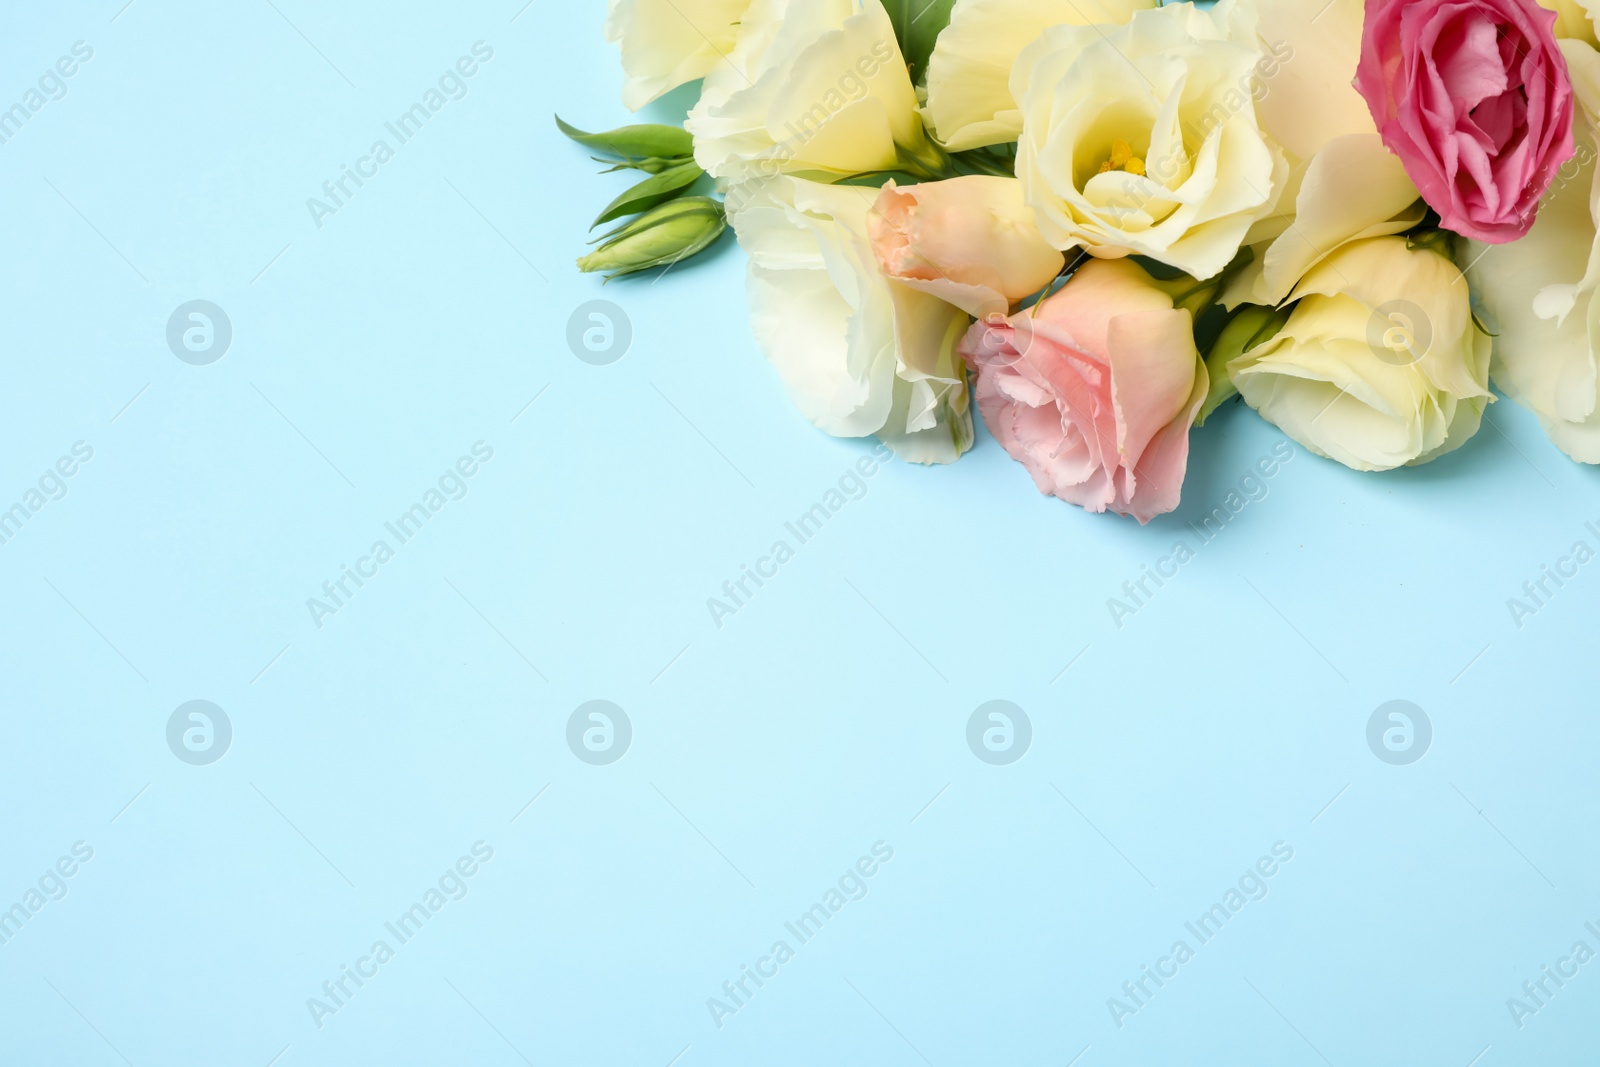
917, 24
654, 190
634, 142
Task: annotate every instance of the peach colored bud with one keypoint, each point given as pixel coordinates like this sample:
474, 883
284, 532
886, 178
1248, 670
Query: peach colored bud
969, 241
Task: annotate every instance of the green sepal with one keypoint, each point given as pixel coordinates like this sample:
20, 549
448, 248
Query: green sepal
657, 189
653, 165
917, 25
1250, 326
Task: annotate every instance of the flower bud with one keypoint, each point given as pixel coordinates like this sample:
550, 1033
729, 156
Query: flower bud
660, 237
969, 241
635, 142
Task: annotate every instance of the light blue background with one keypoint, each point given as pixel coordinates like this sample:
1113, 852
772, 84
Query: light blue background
828, 714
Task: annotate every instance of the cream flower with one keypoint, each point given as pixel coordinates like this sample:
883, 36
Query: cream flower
858, 353
1144, 138
1539, 292
668, 43
1574, 18
1379, 365
1344, 185
816, 88
969, 75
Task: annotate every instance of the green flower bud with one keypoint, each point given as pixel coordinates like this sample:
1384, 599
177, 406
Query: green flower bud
660, 237
635, 142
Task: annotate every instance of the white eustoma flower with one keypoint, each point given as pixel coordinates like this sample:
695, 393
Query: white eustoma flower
1343, 184
813, 87
858, 353
1539, 291
1574, 18
969, 76
1379, 365
1144, 139
668, 43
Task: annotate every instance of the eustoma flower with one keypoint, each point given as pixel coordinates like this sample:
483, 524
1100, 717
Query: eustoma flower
1343, 185
969, 241
1379, 365
816, 88
1144, 138
1474, 98
1540, 291
969, 91
860, 354
1286, 156
1094, 390
667, 43
1574, 19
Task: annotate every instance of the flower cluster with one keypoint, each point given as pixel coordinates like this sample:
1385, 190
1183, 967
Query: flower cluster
1103, 219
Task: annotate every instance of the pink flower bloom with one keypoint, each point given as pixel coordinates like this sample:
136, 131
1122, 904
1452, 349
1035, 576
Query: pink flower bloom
1474, 97
1094, 390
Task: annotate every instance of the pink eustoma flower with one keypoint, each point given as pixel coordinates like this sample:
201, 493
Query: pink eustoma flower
1095, 389
1474, 97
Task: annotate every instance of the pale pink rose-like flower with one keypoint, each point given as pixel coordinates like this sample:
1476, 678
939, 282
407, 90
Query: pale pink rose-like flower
1095, 389
1475, 99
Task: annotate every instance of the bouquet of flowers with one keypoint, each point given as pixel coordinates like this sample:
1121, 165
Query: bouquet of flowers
1103, 219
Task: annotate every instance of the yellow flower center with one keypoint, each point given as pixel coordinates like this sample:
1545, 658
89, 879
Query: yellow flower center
1123, 159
